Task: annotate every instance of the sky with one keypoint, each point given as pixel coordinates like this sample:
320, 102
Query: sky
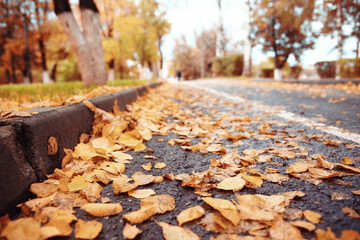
189, 16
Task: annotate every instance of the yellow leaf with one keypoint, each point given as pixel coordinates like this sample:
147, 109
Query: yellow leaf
147, 167
130, 139
84, 152
139, 147
121, 157
225, 207
141, 193
130, 232
142, 179
177, 233
216, 148
284, 230
253, 180
87, 230
77, 183
103, 145
49, 232
346, 160
160, 203
140, 215
43, 189
102, 209
159, 165
62, 220
312, 216
92, 191
122, 185
302, 224
190, 214
146, 134
232, 183
23, 228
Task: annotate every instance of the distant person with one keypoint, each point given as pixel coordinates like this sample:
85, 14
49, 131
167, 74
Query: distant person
178, 75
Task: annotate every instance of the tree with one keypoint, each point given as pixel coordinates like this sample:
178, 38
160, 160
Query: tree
285, 27
86, 44
247, 49
220, 35
206, 43
336, 14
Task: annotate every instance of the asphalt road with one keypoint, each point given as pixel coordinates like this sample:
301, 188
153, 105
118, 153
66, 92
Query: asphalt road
304, 114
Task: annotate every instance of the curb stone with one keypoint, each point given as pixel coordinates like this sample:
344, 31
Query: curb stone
32, 147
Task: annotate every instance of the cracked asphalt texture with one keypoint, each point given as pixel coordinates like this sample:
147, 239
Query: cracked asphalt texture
302, 101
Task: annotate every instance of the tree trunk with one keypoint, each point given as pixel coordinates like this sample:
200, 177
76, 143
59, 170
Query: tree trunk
247, 50
111, 73
8, 76
278, 76
53, 73
77, 41
13, 69
339, 39
220, 45
90, 19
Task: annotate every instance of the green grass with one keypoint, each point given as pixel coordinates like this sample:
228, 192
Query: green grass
39, 92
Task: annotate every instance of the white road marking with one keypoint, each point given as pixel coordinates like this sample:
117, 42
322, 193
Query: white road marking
289, 116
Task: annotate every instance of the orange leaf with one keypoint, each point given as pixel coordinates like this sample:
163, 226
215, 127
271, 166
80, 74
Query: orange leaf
177, 233
130, 232
87, 230
102, 209
190, 214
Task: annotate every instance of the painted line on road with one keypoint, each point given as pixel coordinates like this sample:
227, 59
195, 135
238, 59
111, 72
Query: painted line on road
289, 116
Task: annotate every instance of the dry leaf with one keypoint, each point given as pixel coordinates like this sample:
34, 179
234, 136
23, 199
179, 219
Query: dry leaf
190, 214
49, 232
159, 165
77, 183
277, 178
141, 193
350, 235
139, 147
284, 230
356, 192
122, 185
142, 179
92, 191
346, 160
43, 189
84, 151
312, 216
177, 233
87, 230
351, 212
103, 145
305, 225
102, 209
147, 167
68, 157
337, 196
23, 228
232, 183
121, 157
140, 215
254, 181
325, 235
225, 207
62, 220
130, 232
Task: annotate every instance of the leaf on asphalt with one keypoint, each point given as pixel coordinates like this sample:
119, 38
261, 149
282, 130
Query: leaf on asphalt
84, 151
351, 212
320, 173
147, 167
130, 232
121, 157
346, 160
232, 183
312, 216
159, 165
183, 142
49, 232
321, 162
356, 192
92, 191
259, 207
139, 147
216, 148
122, 185
77, 183
350, 235
190, 214
177, 233
337, 196
23, 228
277, 178
141, 193
102, 209
87, 230
253, 181
140, 215
284, 230
357, 170
62, 220
158, 179
169, 176
300, 167
130, 139
252, 152
305, 225
103, 145
264, 158
114, 168
142, 179
225, 207
43, 189
160, 203
216, 223
325, 235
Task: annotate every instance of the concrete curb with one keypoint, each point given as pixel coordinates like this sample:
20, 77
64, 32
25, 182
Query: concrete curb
24, 155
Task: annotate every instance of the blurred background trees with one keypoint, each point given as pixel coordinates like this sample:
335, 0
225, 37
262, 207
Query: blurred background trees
34, 47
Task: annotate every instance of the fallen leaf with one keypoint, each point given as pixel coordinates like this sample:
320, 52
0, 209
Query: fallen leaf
190, 214
49, 232
121, 157
122, 185
346, 160
87, 230
225, 207
23, 228
92, 191
216, 148
130, 232
102, 209
141, 193
277, 178
351, 212
325, 235
337, 196
356, 192
305, 225
77, 183
312, 216
103, 145
43, 189
139, 147
142, 179
147, 167
52, 146
84, 151
284, 230
159, 165
254, 181
232, 183
177, 233
140, 215
350, 235
62, 220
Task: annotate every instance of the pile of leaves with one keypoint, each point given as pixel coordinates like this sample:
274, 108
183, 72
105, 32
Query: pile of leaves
100, 159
